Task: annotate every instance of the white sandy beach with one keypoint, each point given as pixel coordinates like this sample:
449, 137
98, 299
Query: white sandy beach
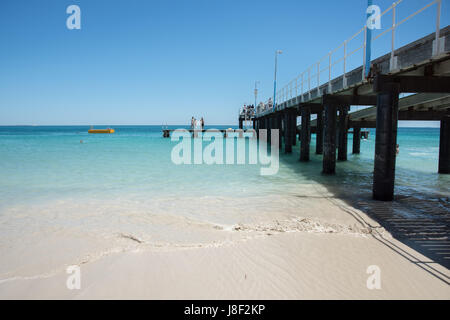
198, 151
296, 258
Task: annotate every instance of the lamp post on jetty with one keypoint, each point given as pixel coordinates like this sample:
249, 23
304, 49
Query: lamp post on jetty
277, 52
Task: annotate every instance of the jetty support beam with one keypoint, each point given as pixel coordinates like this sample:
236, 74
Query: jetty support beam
288, 131
356, 140
386, 141
343, 133
444, 146
263, 124
305, 134
294, 127
319, 133
329, 139
424, 84
256, 126
279, 127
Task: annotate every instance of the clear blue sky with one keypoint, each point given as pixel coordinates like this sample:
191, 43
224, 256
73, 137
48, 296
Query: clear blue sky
154, 62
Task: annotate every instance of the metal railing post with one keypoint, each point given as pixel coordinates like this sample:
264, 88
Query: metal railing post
291, 90
309, 83
302, 87
318, 78
392, 65
329, 72
438, 27
344, 80
288, 91
364, 54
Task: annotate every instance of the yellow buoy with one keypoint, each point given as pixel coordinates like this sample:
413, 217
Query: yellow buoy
101, 130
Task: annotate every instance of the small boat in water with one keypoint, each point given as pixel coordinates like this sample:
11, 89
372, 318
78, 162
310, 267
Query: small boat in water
107, 130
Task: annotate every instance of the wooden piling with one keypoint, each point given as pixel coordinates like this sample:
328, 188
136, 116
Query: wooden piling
279, 126
329, 142
269, 127
288, 131
319, 133
386, 141
305, 134
444, 146
356, 140
343, 133
294, 127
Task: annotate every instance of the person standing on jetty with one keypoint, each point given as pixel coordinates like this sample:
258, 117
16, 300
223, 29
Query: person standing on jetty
202, 123
192, 123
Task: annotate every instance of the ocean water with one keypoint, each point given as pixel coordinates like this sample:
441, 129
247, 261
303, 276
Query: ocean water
67, 196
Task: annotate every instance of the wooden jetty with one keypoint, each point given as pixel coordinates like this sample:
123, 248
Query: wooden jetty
421, 69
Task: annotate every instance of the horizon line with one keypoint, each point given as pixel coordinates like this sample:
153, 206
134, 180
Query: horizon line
155, 125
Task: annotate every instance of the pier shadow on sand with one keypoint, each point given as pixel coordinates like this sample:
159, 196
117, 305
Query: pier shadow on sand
417, 218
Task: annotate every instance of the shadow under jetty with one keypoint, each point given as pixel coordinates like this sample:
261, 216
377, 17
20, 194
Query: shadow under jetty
419, 216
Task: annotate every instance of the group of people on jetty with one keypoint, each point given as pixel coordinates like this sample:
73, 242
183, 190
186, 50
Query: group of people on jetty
264, 106
197, 124
248, 111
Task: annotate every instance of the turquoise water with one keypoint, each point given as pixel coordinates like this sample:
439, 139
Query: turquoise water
44, 163
47, 162
54, 186
39, 164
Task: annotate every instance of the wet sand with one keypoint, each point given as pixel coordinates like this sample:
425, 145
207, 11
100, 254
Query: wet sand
285, 258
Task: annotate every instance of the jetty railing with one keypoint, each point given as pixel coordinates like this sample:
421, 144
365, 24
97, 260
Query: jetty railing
303, 83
